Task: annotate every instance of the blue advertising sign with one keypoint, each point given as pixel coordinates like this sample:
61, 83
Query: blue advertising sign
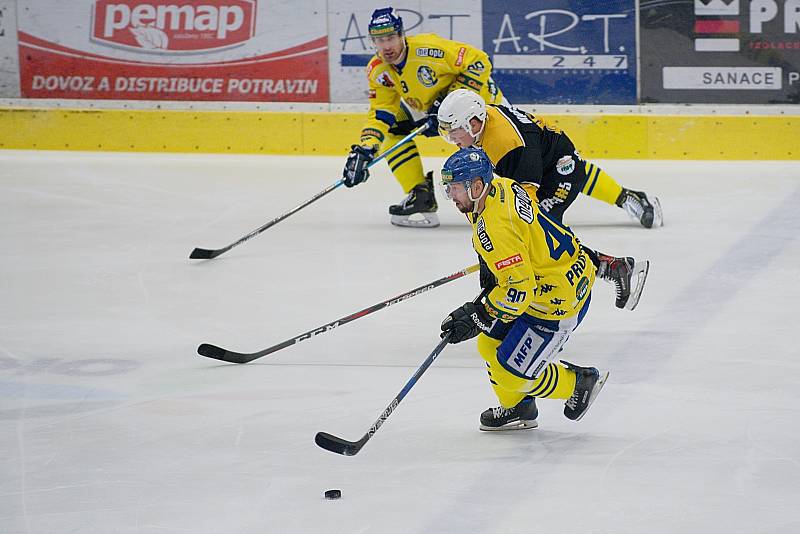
562, 51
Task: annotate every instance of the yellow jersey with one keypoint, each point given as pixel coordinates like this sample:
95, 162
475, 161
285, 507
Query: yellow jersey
433, 67
539, 264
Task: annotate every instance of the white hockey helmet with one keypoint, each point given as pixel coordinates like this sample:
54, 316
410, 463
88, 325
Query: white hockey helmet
457, 109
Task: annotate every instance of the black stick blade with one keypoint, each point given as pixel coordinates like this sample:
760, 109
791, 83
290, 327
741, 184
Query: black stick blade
203, 254
339, 445
218, 353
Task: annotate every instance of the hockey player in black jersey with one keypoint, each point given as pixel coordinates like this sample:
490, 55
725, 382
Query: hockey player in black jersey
527, 149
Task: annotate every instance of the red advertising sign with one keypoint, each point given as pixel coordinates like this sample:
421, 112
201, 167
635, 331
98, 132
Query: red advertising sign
173, 25
234, 50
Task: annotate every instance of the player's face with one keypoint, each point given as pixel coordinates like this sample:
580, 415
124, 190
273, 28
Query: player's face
461, 137
390, 47
457, 192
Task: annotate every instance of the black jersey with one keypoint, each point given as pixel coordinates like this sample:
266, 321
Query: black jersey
521, 146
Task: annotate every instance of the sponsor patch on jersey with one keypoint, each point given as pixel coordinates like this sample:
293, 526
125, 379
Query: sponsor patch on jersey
372, 93
576, 269
582, 288
508, 262
372, 64
460, 58
469, 82
368, 133
565, 165
430, 52
385, 79
426, 76
497, 313
483, 237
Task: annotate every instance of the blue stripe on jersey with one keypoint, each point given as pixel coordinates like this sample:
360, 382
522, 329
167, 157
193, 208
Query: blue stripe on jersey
385, 117
594, 181
394, 157
355, 60
409, 158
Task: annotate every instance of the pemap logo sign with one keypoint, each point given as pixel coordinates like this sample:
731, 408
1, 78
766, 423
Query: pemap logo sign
173, 26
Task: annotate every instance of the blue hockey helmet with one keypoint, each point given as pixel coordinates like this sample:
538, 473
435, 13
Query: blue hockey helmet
385, 22
464, 166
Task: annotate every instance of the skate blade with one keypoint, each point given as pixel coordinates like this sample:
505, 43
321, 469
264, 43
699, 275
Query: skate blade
640, 270
425, 220
595, 392
658, 216
516, 425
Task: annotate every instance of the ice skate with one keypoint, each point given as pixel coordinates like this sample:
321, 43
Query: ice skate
646, 211
589, 382
628, 277
418, 209
520, 417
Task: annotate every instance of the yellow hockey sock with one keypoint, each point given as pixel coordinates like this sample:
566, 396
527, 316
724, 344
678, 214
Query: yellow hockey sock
555, 382
405, 162
600, 185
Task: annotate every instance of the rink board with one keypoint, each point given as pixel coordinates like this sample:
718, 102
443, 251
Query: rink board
303, 133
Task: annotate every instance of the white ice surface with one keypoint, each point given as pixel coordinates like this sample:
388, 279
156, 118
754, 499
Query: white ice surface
111, 423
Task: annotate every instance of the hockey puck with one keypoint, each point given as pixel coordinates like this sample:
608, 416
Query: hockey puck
333, 494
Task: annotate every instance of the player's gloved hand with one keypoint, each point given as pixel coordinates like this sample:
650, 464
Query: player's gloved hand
466, 322
487, 277
355, 170
402, 127
432, 120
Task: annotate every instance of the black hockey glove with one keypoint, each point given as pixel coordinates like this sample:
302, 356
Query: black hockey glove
355, 170
466, 322
432, 120
487, 277
402, 127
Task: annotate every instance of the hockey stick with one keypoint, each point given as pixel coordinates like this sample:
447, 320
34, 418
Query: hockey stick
207, 254
218, 353
350, 448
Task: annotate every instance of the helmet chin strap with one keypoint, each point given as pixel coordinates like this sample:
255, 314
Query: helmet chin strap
477, 136
475, 201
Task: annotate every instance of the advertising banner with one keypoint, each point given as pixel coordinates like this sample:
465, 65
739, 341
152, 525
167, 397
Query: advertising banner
563, 51
721, 51
351, 48
235, 50
9, 64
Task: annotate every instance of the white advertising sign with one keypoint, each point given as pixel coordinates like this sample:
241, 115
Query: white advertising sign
351, 49
9, 55
752, 78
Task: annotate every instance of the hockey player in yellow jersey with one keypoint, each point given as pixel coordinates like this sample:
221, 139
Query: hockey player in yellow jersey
408, 77
543, 288
527, 149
